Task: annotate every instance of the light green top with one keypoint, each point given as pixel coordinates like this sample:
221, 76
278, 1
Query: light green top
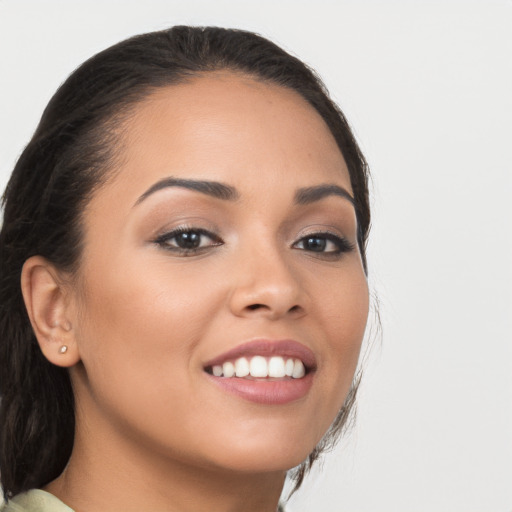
35, 500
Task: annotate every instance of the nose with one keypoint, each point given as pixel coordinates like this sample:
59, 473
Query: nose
266, 284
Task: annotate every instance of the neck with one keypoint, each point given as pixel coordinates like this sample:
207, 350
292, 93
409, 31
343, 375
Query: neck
110, 473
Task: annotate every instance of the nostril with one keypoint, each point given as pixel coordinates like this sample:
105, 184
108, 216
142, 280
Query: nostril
255, 306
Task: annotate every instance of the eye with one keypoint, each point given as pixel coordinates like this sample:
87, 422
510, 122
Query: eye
324, 243
188, 241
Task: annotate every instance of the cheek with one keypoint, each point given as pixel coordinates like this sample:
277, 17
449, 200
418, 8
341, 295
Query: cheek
345, 317
349, 318
135, 301
139, 327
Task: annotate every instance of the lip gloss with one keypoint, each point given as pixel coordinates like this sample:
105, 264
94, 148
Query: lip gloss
266, 390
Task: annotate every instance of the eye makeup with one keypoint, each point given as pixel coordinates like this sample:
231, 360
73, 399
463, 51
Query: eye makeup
188, 240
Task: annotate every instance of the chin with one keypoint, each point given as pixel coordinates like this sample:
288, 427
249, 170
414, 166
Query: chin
261, 462
270, 451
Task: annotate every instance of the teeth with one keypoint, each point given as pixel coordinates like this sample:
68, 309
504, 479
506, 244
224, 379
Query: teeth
261, 367
298, 369
241, 367
276, 367
228, 369
258, 367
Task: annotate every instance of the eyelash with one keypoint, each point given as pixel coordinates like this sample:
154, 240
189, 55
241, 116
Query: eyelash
164, 239
342, 245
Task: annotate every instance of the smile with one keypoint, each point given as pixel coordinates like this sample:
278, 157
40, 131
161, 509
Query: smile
264, 371
258, 366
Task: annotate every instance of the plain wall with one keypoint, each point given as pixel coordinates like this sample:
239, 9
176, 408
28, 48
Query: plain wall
427, 87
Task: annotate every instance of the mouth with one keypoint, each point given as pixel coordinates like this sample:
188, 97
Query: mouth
264, 371
259, 367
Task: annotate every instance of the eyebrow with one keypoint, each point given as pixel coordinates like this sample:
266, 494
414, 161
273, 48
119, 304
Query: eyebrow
210, 188
218, 190
310, 195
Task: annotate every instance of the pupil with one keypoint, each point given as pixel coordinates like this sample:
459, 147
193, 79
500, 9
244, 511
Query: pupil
189, 240
316, 244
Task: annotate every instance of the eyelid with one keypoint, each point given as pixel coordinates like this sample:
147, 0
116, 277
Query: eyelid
343, 244
322, 229
169, 233
163, 239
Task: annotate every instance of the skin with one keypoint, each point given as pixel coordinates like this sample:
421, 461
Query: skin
140, 319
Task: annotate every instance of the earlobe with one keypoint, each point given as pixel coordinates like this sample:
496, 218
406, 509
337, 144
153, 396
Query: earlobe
47, 303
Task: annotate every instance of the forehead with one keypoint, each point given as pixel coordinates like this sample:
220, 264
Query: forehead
232, 128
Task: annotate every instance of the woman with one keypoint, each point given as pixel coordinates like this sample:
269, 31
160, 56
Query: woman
189, 225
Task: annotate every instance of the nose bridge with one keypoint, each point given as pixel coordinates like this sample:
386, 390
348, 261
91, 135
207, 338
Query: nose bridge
266, 282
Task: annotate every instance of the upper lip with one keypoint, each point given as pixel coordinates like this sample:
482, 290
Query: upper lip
267, 348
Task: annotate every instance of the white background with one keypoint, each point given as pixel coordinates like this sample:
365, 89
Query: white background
427, 87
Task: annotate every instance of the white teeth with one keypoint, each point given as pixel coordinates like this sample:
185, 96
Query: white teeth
228, 369
298, 369
258, 367
276, 367
288, 367
241, 367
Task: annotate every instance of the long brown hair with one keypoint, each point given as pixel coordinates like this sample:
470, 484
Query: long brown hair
68, 157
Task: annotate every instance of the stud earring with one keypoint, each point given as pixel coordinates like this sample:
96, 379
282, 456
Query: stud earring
63, 349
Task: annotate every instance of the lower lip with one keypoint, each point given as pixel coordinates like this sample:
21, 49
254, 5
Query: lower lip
269, 392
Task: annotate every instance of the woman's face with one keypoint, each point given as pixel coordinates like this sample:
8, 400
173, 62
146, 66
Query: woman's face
228, 233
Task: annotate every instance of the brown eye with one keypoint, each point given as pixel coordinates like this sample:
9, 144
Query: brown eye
188, 240
315, 244
324, 243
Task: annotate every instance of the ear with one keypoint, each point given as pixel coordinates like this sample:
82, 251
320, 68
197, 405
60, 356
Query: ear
48, 305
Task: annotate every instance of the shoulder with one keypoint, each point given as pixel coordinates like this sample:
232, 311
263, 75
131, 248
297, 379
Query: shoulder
35, 500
